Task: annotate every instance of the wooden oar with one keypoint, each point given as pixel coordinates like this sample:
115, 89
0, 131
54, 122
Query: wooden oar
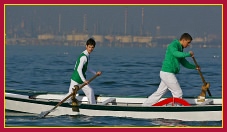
205, 84
45, 113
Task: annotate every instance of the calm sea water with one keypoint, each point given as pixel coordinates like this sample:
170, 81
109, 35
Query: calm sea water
127, 71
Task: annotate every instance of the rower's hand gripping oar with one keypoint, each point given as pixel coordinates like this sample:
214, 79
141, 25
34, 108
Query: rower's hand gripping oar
45, 113
205, 86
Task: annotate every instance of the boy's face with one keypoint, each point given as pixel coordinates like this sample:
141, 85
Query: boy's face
186, 43
89, 48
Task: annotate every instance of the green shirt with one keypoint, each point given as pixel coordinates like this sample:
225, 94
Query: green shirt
75, 76
174, 57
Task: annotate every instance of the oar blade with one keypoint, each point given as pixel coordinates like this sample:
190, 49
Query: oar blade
44, 114
209, 92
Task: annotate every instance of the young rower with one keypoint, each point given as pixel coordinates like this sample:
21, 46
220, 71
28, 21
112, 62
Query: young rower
79, 77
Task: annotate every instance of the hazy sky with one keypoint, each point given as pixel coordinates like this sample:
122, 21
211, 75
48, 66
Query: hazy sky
173, 20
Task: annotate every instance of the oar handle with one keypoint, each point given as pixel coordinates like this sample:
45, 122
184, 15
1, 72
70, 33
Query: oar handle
200, 73
89, 81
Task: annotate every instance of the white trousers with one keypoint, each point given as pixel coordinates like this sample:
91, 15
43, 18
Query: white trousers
87, 89
168, 82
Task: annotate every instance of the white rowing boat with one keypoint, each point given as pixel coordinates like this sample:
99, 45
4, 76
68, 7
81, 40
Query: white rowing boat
210, 110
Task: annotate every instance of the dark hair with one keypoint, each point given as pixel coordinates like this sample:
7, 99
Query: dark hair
186, 36
91, 41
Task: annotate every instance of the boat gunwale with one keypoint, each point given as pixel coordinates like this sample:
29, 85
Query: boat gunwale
37, 93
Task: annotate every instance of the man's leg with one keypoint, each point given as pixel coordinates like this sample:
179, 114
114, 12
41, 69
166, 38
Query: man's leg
171, 81
71, 86
89, 92
155, 97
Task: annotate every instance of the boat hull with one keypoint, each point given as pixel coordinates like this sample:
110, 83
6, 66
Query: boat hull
119, 107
